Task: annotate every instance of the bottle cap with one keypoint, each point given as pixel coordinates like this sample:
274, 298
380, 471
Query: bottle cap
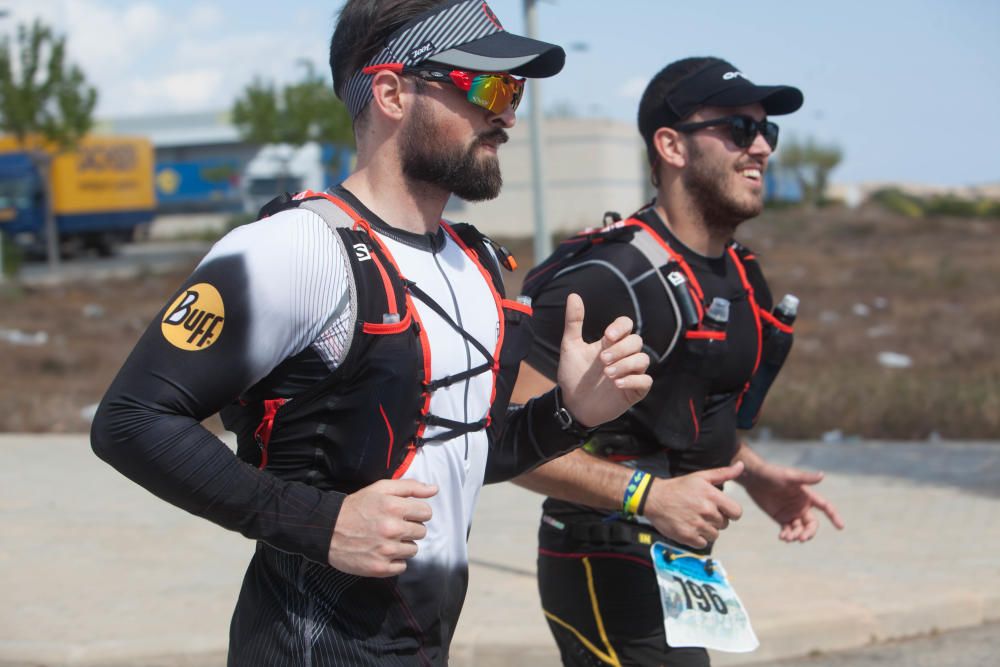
719, 310
789, 304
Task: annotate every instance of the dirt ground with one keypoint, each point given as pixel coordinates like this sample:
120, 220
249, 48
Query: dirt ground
870, 283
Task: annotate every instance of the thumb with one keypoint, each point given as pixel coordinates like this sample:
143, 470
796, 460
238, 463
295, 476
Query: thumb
720, 475
408, 488
573, 329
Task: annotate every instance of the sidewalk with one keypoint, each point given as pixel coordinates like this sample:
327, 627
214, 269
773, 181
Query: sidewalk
95, 571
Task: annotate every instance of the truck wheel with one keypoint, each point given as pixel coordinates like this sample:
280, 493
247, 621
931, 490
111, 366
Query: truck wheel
106, 245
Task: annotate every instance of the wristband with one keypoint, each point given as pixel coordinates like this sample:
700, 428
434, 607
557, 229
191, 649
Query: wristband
634, 500
566, 421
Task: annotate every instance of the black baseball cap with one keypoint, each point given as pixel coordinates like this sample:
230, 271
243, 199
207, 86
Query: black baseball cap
463, 34
714, 83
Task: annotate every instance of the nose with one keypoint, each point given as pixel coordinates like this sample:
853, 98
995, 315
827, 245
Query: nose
505, 119
760, 147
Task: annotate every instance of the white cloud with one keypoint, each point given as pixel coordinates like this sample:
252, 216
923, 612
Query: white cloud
189, 90
151, 56
632, 88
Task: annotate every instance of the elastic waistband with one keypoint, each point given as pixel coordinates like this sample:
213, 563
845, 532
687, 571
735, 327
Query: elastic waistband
613, 533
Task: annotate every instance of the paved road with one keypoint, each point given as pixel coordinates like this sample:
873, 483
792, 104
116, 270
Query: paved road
96, 571
972, 647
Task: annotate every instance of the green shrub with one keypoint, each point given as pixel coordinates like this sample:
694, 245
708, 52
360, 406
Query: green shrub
12, 257
898, 201
952, 206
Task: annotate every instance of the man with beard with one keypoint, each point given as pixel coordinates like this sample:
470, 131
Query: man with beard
362, 351
655, 474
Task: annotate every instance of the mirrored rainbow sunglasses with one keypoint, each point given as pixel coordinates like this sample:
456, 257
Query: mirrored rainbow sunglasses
494, 91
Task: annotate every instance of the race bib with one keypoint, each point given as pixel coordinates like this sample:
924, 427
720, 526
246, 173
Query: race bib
700, 608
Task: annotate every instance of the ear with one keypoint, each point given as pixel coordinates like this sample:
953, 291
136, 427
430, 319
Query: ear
670, 146
387, 91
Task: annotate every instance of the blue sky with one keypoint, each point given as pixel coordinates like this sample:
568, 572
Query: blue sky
909, 90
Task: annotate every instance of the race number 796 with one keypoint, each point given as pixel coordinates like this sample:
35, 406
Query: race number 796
703, 594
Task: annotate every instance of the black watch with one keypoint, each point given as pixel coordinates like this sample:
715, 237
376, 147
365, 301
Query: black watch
566, 421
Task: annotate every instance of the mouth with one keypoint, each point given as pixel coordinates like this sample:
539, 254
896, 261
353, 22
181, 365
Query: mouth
492, 140
753, 174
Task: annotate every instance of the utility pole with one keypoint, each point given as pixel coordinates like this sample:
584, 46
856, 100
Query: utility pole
543, 241
3, 14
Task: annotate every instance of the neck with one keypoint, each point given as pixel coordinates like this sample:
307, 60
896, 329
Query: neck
687, 221
400, 202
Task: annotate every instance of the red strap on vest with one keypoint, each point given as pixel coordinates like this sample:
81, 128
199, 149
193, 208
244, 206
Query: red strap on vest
776, 323
263, 433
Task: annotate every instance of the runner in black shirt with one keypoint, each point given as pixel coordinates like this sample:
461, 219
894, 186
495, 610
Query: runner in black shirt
652, 475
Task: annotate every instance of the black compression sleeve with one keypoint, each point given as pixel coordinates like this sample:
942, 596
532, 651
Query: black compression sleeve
148, 425
530, 436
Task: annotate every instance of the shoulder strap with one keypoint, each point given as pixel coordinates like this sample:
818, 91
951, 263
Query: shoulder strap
489, 253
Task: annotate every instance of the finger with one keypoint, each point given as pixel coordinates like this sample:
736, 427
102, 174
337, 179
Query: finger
692, 538
406, 488
573, 327
393, 568
616, 331
717, 476
710, 533
626, 347
794, 530
637, 386
415, 510
631, 365
405, 550
828, 509
809, 527
412, 531
712, 516
803, 476
729, 507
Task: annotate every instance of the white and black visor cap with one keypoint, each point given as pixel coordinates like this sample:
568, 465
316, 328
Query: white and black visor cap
461, 34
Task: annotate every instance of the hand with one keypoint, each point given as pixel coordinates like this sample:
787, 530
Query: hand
378, 526
785, 495
600, 380
690, 509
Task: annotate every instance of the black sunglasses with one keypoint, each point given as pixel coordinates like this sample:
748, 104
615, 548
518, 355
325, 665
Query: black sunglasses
743, 129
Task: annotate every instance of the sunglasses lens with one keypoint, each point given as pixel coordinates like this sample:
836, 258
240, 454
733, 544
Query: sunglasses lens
770, 132
743, 129
496, 92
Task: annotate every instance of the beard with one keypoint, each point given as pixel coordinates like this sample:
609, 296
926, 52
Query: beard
708, 184
427, 157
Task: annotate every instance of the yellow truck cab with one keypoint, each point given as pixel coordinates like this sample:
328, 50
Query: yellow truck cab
101, 192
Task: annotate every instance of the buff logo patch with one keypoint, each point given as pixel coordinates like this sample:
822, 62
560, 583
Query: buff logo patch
194, 320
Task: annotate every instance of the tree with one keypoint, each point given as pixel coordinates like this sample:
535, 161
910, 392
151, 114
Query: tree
45, 102
301, 112
812, 163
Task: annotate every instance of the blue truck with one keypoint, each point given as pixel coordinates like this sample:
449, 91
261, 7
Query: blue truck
101, 193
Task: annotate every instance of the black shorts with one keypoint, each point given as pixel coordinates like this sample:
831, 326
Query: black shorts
602, 600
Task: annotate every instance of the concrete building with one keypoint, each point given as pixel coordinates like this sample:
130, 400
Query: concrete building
592, 166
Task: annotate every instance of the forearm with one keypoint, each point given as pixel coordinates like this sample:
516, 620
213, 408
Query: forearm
529, 436
753, 464
177, 459
579, 477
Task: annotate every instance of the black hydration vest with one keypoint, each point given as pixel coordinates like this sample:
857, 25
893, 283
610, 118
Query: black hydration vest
366, 419
692, 350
